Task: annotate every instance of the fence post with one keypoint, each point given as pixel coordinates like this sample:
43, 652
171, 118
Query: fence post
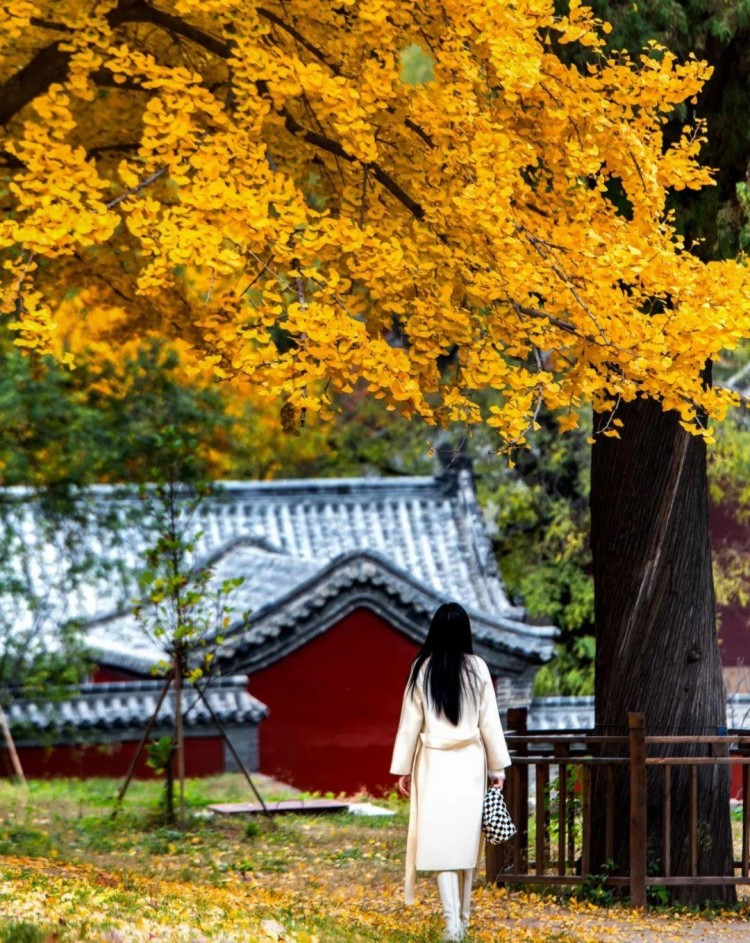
500, 858
638, 838
518, 720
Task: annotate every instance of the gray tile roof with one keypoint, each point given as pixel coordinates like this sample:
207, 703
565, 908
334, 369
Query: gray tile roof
577, 713
561, 713
123, 708
301, 544
431, 528
739, 381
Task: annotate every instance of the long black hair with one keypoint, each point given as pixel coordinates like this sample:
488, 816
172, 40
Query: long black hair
449, 675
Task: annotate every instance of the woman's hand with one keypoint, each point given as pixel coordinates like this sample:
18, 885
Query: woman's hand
498, 781
404, 785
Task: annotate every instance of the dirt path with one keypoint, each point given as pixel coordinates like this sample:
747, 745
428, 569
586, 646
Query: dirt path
614, 928
526, 917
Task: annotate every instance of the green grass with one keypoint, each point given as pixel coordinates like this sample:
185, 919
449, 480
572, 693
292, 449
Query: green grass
70, 823
12, 931
72, 820
337, 877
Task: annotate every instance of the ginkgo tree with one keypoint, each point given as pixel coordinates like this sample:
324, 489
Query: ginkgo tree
261, 182
324, 220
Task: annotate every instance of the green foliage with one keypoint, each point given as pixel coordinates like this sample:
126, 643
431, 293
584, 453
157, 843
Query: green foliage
541, 515
594, 887
729, 466
131, 421
180, 607
49, 431
743, 200
158, 428
571, 671
729, 485
41, 653
160, 757
159, 754
62, 431
683, 26
417, 66
363, 438
657, 895
715, 30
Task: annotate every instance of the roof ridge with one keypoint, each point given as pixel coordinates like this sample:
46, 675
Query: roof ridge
349, 557
377, 482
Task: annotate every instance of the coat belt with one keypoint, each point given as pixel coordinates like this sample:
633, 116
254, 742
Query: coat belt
444, 743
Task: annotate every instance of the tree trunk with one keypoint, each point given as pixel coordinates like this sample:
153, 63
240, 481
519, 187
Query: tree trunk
179, 737
656, 643
169, 816
11, 748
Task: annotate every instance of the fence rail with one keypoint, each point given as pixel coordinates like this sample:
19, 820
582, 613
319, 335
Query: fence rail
553, 844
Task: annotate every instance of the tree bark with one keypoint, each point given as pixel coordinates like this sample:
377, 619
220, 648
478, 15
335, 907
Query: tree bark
141, 746
657, 647
179, 737
11, 748
169, 816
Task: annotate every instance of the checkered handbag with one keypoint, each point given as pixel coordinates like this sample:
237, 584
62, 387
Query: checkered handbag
496, 821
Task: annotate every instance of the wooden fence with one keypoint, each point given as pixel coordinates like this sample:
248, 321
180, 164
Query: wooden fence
560, 852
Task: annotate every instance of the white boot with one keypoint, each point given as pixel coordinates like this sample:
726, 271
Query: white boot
448, 887
465, 880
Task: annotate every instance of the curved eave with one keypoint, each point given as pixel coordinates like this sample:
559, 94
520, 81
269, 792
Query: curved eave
121, 709
354, 580
130, 663
364, 579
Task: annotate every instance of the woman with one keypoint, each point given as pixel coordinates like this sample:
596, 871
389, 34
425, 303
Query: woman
449, 742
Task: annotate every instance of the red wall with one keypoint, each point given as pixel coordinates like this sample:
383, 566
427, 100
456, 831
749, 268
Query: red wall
335, 705
204, 756
104, 675
727, 532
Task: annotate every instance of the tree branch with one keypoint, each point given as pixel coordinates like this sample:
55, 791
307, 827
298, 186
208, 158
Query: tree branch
334, 67
106, 79
324, 143
555, 322
132, 191
11, 162
48, 24
303, 41
144, 12
147, 13
51, 64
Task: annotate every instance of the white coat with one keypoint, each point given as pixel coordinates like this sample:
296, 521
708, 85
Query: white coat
449, 766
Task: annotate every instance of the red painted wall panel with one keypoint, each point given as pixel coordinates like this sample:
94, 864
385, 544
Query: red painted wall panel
736, 782
103, 675
728, 533
335, 704
204, 756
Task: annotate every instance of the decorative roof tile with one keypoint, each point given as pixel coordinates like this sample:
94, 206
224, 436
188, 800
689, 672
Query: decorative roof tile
127, 705
561, 713
577, 713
